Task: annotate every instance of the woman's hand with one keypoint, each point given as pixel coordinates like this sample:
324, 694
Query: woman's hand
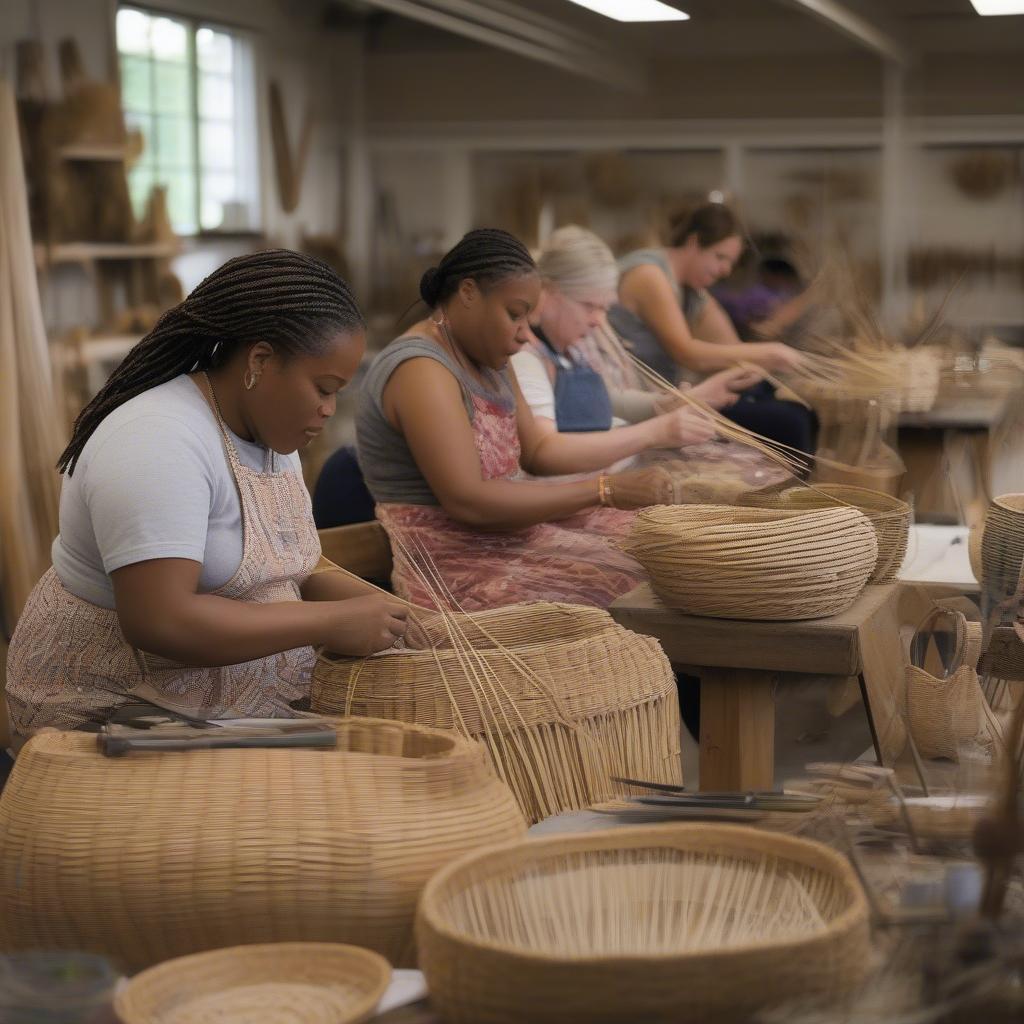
722, 389
365, 625
774, 355
681, 427
639, 488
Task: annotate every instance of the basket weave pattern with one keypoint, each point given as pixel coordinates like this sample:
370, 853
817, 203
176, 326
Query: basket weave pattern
568, 699
669, 923
159, 855
891, 517
755, 563
317, 983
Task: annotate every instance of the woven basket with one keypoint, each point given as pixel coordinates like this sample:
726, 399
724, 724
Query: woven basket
657, 924
755, 563
883, 472
158, 855
943, 713
890, 517
278, 983
1002, 548
920, 373
567, 700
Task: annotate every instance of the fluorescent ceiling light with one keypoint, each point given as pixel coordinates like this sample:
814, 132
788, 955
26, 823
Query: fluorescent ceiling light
999, 6
634, 10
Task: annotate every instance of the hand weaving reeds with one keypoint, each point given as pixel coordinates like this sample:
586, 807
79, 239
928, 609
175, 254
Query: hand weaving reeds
277, 983
755, 563
683, 923
890, 517
561, 696
158, 855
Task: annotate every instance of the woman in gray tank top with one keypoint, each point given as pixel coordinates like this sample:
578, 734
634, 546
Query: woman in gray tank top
443, 434
673, 324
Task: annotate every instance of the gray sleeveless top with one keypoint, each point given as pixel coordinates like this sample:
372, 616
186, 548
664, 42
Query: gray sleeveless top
388, 466
641, 339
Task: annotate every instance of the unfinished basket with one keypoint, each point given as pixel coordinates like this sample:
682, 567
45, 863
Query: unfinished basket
944, 713
153, 856
312, 982
657, 924
561, 696
755, 563
891, 518
1002, 548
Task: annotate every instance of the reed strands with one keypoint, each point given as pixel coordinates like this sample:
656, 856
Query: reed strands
277, 983
755, 563
890, 517
158, 855
668, 923
561, 696
30, 423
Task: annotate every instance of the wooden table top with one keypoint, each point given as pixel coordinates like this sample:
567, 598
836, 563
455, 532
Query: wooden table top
967, 412
820, 646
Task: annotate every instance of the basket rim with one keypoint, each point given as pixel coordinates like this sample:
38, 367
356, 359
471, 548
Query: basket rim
373, 962
646, 836
1000, 502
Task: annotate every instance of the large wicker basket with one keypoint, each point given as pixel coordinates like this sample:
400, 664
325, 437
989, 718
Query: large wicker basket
158, 855
684, 923
755, 563
891, 517
561, 696
312, 982
1002, 548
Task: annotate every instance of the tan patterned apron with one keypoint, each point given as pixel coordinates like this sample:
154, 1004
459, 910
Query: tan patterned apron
69, 662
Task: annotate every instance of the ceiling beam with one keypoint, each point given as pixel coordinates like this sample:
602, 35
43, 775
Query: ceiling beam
527, 34
855, 26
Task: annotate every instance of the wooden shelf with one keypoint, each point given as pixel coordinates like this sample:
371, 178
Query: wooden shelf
95, 348
100, 151
87, 252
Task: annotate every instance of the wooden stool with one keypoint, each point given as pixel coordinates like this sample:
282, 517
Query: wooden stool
737, 662
362, 548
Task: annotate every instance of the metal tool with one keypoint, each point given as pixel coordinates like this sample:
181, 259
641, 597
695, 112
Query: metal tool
115, 740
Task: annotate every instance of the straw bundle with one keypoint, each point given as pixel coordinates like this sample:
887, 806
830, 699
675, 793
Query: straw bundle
755, 563
1002, 548
889, 516
153, 856
944, 713
665, 923
561, 696
315, 982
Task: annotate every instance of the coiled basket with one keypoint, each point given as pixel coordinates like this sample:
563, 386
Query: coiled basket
156, 855
686, 923
755, 563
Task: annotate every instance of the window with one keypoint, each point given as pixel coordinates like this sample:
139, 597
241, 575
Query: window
190, 89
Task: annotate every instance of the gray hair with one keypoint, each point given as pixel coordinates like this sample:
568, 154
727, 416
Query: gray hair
579, 264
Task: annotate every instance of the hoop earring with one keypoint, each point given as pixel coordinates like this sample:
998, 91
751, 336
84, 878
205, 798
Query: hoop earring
251, 379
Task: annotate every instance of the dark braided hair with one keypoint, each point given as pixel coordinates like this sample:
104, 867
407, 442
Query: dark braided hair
287, 299
485, 255
711, 223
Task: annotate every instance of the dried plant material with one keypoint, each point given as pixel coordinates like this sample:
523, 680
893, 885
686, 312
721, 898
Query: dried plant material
289, 166
611, 179
671, 923
159, 855
984, 173
315, 982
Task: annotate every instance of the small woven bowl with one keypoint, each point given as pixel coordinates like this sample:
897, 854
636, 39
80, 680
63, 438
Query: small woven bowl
276, 983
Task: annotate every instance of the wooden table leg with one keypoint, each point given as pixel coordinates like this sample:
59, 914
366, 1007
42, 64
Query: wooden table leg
883, 677
737, 730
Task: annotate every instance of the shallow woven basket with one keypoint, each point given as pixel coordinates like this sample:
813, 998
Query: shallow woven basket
884, 471
277, 983
1002, 548
562, 697
755, 563
673, 924
891, 517
157, 855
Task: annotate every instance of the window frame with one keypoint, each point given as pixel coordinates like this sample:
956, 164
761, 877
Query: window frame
192, 24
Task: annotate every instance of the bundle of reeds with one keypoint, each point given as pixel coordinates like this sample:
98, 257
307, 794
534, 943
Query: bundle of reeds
755, 563
562, 697
661, 924
157, 855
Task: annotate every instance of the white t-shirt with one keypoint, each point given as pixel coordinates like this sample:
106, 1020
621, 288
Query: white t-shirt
153, 481
537, 387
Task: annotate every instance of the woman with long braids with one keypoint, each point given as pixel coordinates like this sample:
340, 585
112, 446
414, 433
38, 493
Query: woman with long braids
443, 432
186, 569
